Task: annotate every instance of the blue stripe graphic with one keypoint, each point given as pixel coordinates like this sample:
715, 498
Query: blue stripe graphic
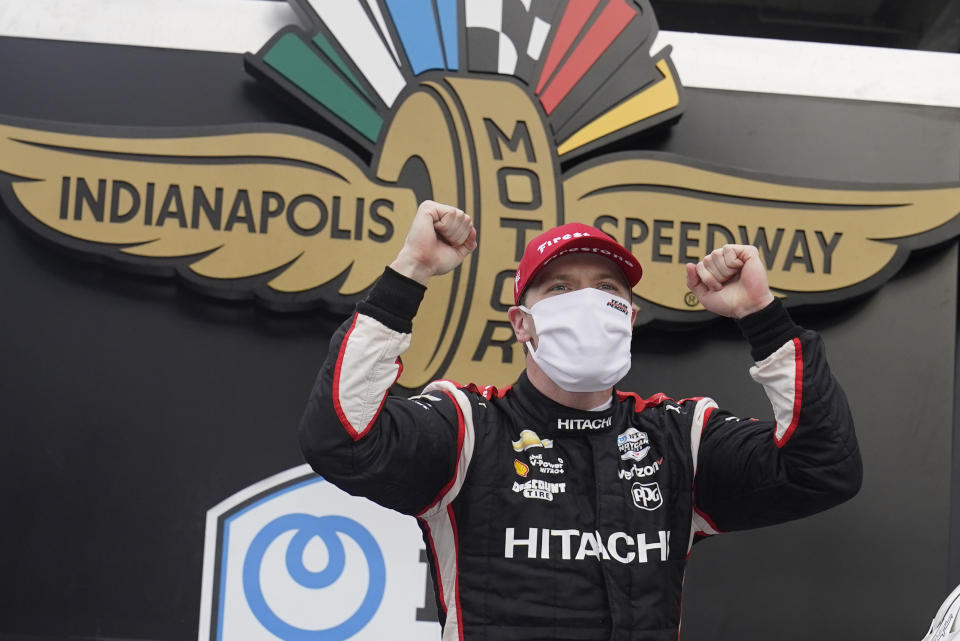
447, 10
417, 27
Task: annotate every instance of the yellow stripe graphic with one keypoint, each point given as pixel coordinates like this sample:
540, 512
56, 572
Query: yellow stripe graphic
659, 97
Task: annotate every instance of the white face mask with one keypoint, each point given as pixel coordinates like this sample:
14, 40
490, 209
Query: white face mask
583, 339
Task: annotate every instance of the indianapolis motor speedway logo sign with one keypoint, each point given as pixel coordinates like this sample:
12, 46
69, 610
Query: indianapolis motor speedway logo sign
474, 103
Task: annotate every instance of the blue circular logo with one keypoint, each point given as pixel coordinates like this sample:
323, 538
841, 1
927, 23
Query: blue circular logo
327, 528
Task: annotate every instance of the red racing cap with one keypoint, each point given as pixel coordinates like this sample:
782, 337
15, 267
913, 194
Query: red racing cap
568, 239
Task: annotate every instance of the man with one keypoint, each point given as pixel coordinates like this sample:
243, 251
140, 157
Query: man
561, 508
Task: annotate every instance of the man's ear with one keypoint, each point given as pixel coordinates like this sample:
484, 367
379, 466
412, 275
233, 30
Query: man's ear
521, 323
633, 314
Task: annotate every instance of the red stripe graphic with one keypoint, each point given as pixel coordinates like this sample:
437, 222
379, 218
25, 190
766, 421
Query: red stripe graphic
355, 433
640, 404
344, 421
613, 20
703, 425
436, 567
707, 518
797, 393
574, 17
456, 549
386, 394
461, 432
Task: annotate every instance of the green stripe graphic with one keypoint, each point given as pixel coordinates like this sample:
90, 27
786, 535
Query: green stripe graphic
298, 63
331, 53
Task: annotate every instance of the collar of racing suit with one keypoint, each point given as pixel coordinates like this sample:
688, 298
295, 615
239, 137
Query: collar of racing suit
552, 419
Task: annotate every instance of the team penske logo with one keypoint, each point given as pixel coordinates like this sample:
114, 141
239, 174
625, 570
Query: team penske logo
529, 439
618, 305
574, 545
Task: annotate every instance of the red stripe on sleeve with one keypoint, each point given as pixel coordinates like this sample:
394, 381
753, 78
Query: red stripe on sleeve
355, 433
383, 401
797, 393
344, 421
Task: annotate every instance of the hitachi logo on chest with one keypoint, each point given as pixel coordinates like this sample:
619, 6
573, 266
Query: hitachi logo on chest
584, 423
544, 543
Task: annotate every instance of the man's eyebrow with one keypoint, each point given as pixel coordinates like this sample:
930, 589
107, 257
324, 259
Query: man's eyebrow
610, 274
617, 277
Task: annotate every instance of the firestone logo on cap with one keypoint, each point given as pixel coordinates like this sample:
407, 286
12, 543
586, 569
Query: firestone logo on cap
590, 250
553, 241
569, 239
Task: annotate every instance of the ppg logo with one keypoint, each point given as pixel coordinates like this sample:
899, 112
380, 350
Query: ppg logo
646, 496
295, 558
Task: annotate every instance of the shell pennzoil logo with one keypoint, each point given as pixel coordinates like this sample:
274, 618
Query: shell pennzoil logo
528, 439
522, 469
474, 103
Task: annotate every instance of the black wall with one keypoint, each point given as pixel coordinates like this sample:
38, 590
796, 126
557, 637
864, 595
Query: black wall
130, 405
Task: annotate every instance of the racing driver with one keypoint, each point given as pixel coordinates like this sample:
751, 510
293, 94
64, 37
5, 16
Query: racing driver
562, 508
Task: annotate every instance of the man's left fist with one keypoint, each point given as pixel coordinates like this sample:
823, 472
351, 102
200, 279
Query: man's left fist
731, 281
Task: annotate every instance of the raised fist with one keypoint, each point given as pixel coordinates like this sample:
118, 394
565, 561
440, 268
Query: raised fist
440, 237
731, 281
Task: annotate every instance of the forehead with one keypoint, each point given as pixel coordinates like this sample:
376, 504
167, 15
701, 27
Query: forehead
579, 266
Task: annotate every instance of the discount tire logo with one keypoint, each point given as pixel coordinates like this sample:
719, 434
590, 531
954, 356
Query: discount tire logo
295, 558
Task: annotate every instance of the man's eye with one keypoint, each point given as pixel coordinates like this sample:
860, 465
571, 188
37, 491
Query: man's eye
559, 287
607, 286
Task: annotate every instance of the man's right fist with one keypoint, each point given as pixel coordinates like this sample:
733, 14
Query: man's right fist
440, 237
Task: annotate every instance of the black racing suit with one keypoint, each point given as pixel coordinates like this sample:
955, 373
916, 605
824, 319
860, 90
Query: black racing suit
548, 523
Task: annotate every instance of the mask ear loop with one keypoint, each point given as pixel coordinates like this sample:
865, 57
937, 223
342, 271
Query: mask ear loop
526, 310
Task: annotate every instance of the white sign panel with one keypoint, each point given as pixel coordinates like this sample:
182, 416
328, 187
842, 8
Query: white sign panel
294, 558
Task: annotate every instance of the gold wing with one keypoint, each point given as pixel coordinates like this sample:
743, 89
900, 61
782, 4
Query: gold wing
284, 206
826, 241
